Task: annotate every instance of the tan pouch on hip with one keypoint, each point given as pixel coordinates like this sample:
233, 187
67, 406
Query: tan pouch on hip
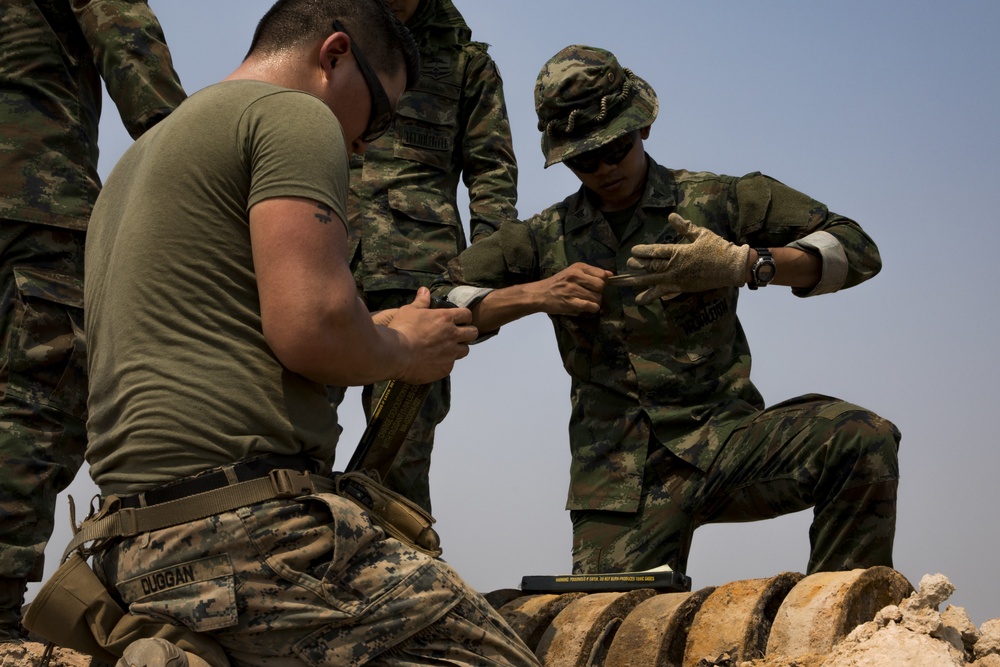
397, 515
74, 610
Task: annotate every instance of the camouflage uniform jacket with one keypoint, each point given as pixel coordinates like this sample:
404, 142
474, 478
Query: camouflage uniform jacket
452, 124
683, 364
52, 60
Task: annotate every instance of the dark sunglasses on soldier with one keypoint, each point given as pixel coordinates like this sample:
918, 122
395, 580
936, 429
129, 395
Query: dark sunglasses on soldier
380, 116
610, 153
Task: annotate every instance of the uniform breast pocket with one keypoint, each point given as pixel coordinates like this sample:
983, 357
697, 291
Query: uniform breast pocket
199, 594
46, 355
426, 232
426, 128
699, 326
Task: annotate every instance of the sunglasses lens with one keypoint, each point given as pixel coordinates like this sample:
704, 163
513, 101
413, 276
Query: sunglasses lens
616, 155
611, 153
585, 163
378, 123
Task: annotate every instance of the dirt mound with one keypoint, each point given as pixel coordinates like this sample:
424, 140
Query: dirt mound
29, 654
913, 633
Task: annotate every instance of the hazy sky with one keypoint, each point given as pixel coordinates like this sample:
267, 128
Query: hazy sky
885, 111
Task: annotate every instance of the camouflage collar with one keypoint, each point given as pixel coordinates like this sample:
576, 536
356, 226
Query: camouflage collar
660, 192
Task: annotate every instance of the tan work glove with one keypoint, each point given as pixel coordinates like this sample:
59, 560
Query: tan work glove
706, 262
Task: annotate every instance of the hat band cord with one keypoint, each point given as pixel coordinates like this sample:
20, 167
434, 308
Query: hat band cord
605, 107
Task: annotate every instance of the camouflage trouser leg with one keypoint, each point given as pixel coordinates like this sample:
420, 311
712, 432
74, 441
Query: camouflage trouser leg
410, 472
43, 386
309, 582
813, 451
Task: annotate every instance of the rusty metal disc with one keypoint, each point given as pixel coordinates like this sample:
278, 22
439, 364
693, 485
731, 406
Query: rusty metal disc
582, 632
824, 607
655, 632
502, 596
736, 619
531, 615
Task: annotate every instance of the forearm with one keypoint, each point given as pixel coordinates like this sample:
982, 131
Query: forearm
337, 343
793, 267
574, 291
503, 306
781, 217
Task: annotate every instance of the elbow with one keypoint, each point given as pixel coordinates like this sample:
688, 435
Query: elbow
325, 349
294, 352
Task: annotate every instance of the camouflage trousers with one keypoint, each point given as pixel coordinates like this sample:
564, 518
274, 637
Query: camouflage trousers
43, 386
310, 582
812, 451
410, 472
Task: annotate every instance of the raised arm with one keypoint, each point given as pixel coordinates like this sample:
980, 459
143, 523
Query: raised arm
576, 290
499, 280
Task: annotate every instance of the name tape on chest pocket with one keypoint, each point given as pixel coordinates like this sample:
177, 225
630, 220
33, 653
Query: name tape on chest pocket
421, 137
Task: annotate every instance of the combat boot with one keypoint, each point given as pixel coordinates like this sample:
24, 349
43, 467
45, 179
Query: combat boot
11, 599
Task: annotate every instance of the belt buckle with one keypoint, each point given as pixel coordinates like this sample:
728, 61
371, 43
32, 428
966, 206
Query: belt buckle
128, 522
289, 483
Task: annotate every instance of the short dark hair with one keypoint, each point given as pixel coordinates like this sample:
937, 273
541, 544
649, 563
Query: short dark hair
384, 40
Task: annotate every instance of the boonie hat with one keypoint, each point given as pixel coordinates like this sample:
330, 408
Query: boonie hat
584, 98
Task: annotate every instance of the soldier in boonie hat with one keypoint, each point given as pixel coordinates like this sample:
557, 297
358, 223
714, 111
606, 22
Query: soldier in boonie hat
640, 270
585, 99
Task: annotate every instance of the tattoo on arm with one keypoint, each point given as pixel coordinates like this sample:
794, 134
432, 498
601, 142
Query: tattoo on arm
324, 213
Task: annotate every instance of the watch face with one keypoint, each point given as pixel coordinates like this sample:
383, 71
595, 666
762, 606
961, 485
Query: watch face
764, 272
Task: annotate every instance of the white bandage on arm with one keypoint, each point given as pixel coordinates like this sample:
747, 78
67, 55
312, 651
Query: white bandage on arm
831, 253
466, 296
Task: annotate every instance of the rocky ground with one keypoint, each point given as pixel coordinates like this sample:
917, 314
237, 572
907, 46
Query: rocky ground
30, 654
914, 633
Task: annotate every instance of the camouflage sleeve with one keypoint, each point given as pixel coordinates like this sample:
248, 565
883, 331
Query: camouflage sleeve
132, 56
489, 169
769, 213
508, 257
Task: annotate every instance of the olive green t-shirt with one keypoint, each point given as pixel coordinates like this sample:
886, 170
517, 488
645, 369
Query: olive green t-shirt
181, 378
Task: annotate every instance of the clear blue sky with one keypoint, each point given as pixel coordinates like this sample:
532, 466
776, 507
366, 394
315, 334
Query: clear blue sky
885, 111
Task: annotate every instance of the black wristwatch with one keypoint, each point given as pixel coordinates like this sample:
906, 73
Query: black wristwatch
762, 271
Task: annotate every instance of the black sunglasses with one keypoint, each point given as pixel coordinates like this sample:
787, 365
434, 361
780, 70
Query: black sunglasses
381, 113
612, 153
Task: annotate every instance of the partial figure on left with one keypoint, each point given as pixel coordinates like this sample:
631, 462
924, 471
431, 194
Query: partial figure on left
54, 55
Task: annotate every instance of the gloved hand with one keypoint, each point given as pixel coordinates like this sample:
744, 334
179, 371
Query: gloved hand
706, 262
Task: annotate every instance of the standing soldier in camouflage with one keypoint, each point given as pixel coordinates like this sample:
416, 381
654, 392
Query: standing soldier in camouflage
404, 212
53, 56
667, 431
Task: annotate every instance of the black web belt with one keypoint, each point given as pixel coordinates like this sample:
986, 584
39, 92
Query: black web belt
220, 490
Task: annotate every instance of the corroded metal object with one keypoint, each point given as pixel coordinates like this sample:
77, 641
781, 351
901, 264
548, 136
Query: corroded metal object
655, 633
502, 596
824, 607
531, 615
582, 632
736, 619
